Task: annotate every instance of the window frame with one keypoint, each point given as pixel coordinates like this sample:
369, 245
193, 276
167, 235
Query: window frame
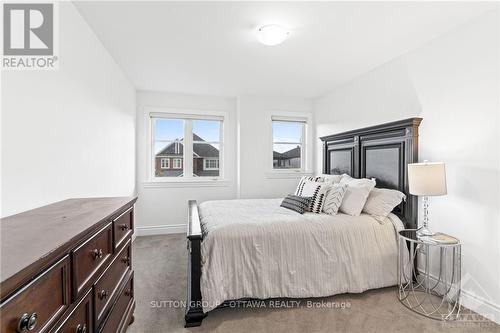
164, 159
306, 151
188, 116
205, 160
301, 143
177, 167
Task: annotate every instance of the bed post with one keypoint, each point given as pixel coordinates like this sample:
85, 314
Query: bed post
194, 311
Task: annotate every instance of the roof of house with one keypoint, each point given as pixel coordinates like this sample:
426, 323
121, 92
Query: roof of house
205, 150
200, 149
292, 153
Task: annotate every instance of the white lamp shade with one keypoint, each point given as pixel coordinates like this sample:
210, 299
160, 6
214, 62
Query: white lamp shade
427, 179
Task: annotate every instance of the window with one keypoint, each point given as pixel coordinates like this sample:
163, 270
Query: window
165, 163
177, 164
175, 137
288, 143
168, 144
211, 164
206, 148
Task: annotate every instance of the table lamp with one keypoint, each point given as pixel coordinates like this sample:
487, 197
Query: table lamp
426, 179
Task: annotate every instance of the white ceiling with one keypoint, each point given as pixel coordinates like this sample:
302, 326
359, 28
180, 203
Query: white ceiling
211, 48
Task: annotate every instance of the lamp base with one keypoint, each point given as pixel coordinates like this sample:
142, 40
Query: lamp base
424, 231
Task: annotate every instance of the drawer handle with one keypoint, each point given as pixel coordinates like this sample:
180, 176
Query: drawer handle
123, 227
126, 260
81, 328
129, 292
97, 253
103, 294
27, 322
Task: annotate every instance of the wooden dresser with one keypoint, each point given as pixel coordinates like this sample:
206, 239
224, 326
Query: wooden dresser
66, 267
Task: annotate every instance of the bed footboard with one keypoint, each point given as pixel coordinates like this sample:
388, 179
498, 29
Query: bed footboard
194, 311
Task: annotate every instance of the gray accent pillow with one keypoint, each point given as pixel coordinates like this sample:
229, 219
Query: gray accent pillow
296, 203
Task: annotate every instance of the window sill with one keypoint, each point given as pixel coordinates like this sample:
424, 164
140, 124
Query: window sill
186, 183
281, 174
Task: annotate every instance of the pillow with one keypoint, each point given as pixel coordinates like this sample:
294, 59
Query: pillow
298, 191
334, 198
346, 179
382, 201
296, 203
356, 194
317, 191
332, 178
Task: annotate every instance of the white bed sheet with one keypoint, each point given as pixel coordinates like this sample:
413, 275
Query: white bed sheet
257, 249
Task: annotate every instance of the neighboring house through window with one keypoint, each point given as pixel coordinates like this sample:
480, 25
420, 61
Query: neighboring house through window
174, 137
288, 143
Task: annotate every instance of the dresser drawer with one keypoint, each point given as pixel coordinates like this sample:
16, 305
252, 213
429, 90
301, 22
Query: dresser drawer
80, 318
119, 318
89, 258
40, 303
106, 288
123, 227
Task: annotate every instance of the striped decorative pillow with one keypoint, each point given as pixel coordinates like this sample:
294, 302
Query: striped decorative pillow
317, 192
334, 198
300, 187
296, 203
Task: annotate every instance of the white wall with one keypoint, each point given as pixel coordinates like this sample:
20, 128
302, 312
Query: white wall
452, 83
255, 136
70, 132
163, 208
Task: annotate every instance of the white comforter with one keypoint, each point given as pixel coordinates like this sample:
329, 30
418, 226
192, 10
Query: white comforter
257, 249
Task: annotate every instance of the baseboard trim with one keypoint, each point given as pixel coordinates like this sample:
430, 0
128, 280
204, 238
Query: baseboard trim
160, 230
483, 307
476, 303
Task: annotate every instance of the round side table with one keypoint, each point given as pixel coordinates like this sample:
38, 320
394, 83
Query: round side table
429, 276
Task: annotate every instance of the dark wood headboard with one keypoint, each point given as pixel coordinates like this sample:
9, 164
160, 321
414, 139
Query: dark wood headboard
382, 152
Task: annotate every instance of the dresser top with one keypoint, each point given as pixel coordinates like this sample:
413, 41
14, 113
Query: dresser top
37, 237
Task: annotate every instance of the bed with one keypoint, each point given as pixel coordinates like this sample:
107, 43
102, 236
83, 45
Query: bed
247, 249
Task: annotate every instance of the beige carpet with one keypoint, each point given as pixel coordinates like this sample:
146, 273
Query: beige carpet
160, 277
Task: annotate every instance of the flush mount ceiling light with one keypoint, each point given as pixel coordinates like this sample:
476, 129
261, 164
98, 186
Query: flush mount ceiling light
272, 34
